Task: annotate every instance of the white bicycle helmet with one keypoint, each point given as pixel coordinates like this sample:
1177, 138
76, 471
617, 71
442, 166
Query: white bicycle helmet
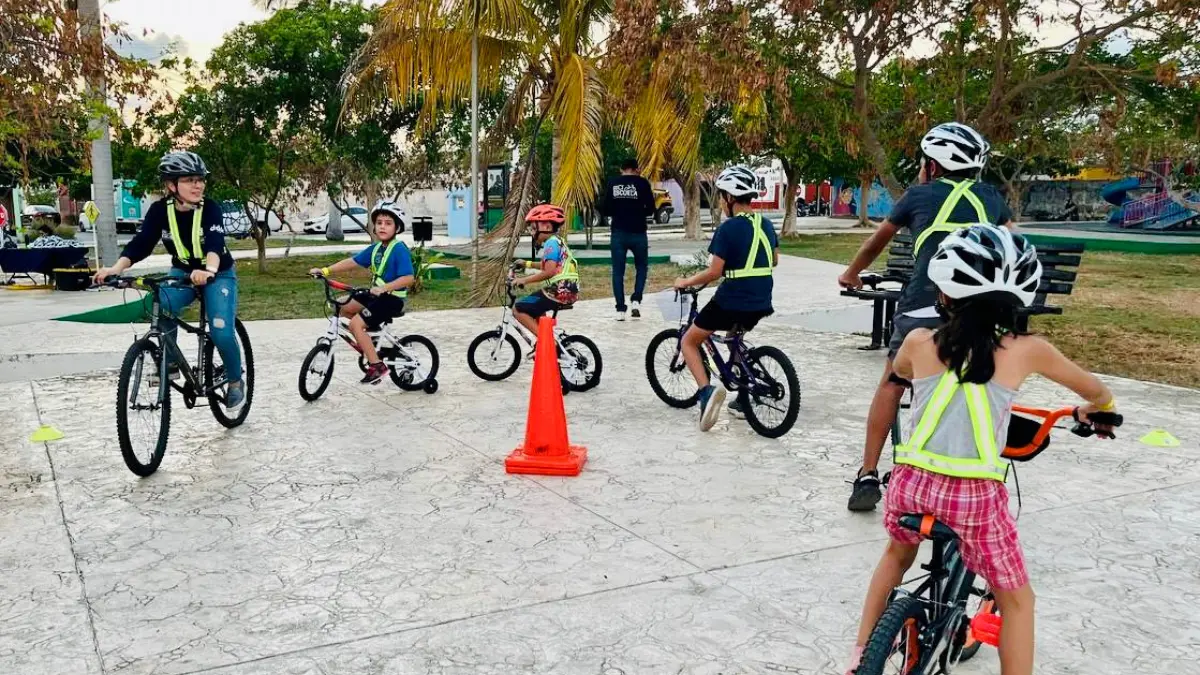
394, 210
984, 259
956, 147
738, 181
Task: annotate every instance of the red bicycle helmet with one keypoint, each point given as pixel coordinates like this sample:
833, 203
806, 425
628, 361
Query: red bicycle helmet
546, 213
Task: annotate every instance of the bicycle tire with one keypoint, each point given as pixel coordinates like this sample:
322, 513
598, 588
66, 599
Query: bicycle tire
793, 388
132, 461
320, 350
217, 403
408, 384
509, 341
652, 371
590, 378
970, 646
899, 627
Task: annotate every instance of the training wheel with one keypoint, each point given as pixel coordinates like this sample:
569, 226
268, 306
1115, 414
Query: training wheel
431, 387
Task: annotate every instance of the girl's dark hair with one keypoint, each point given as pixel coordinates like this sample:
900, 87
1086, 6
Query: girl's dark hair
971, 335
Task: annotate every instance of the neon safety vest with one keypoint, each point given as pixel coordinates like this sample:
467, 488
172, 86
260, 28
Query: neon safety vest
759, 242
981, 461
377, 268
942, 223
181, 249
568, 270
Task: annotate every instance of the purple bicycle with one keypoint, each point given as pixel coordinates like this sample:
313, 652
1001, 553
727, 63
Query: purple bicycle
762, 378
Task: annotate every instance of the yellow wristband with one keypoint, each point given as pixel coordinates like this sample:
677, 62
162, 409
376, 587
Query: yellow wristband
1108, 407
324, 271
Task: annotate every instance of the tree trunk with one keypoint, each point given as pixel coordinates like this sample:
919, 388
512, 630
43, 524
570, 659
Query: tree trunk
105, 227
333, 229
869, 140
789, 198
865, 180
714, 204
370, 196
1013, 197
691, 219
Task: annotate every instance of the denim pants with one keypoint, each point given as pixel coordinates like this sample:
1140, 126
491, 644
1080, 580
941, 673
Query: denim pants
639, 244
220, 304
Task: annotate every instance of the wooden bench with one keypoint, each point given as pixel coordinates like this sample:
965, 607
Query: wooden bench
1059, 265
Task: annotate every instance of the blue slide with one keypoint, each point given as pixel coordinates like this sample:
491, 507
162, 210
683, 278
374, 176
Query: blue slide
1117, 194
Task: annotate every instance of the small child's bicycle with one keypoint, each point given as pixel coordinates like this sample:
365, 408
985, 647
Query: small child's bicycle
412, 360
930, 629
496, 355
763, 378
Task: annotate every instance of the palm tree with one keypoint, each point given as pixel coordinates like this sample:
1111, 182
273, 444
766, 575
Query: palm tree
543, 54
91, 30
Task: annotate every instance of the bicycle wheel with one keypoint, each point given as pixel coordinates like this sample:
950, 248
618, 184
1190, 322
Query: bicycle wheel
143, 411
493, 359
316, 372
895, 646
580, 363
214, 374
668, 373
412, 377
772, 403
980, 602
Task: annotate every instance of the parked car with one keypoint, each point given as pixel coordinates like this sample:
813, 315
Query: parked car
320, 224
236, 222
663, 207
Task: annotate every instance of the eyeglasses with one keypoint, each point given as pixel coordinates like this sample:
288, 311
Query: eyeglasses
193, 179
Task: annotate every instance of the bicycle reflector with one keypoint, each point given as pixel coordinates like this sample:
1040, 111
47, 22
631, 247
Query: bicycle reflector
985, 628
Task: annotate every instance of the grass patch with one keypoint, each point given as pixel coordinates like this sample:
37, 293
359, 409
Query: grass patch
838, 248
1132, 314
285, 292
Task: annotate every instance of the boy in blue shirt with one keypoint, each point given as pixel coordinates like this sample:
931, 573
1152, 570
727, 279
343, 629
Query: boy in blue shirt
391, 275
745, 250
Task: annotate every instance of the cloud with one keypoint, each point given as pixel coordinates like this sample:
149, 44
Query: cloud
152, 46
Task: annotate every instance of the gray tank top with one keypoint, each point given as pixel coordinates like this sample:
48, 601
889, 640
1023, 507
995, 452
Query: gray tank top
954, 429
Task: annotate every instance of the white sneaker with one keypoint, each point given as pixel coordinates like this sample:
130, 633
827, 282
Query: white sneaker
635, 310
620, 316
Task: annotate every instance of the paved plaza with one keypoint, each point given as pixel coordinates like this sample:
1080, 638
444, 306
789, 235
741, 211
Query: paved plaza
375, 531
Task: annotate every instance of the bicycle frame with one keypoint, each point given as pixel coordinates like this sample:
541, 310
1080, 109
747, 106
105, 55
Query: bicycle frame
192, 386
733, 340
508, 321
944, 590
384, 339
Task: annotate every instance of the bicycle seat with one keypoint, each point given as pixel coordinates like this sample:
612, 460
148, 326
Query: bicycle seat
927, 526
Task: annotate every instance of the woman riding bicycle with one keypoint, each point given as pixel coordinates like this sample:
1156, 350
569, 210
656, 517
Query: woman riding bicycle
965, 376
190, 227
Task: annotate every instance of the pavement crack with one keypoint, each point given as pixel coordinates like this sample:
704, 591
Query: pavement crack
62, 512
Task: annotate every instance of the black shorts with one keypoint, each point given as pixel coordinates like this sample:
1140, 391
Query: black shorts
379, 309
902, 325
536, 305
714, 317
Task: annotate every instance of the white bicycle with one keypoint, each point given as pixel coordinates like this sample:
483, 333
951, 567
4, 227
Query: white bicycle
412, 360
496, 355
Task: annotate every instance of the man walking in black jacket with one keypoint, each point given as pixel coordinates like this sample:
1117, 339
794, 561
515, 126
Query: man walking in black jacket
628, 201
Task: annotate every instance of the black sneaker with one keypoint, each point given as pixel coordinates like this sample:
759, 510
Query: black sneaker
866, 493
375, 373
735, 408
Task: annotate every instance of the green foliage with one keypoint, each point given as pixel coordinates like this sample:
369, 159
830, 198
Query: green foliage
423, 260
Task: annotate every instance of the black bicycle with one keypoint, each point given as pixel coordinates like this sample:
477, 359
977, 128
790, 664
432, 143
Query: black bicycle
763, 378
146, 379
930, 629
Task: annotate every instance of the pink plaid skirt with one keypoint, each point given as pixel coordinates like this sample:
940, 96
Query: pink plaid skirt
976, 509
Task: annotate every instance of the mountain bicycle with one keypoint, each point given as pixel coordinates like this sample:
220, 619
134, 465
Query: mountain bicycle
763, 378
929, 629
145, 382
412, 360
495, 355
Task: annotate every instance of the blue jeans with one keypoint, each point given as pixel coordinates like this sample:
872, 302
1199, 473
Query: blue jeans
639, 244
220, 304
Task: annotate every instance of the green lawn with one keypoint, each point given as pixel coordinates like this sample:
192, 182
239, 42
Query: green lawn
285, 292
1131, 314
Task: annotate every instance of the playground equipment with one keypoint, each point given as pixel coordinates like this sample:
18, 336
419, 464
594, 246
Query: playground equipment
1158, 210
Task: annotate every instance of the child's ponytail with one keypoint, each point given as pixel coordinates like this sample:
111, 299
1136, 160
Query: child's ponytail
972, 333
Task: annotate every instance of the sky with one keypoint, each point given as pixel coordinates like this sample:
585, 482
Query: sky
195, 26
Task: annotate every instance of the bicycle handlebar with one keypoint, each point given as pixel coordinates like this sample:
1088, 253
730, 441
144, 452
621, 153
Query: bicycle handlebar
1027, 437
148, 282
337, 285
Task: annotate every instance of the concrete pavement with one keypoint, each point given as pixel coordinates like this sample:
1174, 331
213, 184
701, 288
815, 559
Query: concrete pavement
376, 532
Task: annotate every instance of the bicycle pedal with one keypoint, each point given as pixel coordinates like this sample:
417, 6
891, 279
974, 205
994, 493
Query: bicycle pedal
986, 628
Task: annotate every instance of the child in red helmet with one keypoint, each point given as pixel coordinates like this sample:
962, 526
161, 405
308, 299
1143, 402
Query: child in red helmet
558, 273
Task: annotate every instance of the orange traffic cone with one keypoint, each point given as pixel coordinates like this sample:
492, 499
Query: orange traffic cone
546, 451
